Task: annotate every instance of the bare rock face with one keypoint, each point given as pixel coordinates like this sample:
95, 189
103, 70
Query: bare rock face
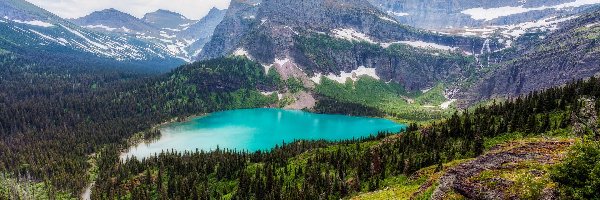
240, 16
201, 31
585, 120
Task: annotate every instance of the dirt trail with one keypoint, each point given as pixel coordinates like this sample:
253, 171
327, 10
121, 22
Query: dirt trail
87, 194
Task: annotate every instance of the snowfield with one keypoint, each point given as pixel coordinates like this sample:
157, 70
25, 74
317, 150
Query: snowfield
35, 23
100, 26
488, 14
399, 14
421, 44
352, 35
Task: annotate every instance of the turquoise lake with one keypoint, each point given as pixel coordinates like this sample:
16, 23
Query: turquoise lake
259, 129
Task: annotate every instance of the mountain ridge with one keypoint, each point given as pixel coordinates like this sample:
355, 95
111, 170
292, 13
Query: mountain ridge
182, 37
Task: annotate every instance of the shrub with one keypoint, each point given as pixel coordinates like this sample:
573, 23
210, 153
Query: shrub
578, 175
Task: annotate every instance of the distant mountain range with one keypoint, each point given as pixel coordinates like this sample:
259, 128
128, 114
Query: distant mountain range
182, 37
158, 42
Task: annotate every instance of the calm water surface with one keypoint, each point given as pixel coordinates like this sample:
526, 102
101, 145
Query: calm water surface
259, 129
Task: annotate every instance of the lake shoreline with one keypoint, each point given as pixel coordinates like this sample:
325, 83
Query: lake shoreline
254, 129
140, 137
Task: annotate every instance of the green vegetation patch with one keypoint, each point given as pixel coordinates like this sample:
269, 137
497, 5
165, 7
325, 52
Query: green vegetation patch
390, 98
578, 176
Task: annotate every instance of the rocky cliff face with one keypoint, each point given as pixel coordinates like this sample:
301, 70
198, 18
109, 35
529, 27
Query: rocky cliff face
201, 31
240, 16
568, 54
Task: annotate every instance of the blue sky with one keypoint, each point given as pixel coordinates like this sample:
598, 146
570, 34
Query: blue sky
193, 9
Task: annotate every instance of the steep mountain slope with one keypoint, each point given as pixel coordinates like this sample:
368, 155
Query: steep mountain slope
238, 19
201, 31
571, 53
34, 32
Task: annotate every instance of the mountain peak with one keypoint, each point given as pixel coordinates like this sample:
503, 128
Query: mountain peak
23, 10
109, 13
215, 9
111, 10
166, 18
162, 13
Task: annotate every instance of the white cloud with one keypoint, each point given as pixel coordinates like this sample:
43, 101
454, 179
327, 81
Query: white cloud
193, 9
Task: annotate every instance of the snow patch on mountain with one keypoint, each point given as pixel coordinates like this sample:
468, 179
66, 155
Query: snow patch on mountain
316, 78
426, 90
100, 26
241, 52
592, 25
352, 35
550, 24
488, 14
421, 44
388, 19
165, 35
197, 52
172, 29
399, 14
279, 96
125, 29
282, 61
60, 41
34, 23
77, 33
514, 30
447, 104
354, 75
